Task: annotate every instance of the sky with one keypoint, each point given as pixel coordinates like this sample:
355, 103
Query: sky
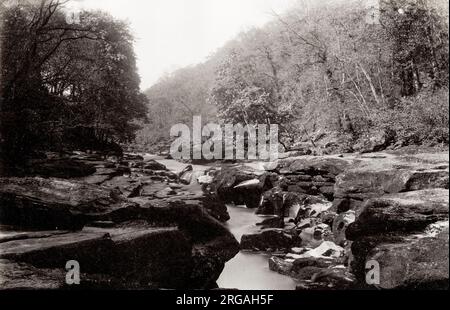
172, 34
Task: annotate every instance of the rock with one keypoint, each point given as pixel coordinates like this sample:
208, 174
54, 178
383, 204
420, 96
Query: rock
154, 165
280, 265
60, 168
311, 165
324, 250
314, 261
388, 175
185, 176
421, 264
273, 222
299, 250
255, 183
292, 202
160, 243
404, 212
269, 238
341, 205
327, 191
361, 184
225, 182
402, 232
132, 157
313, 210
315, 236
217, 209
209, 260
21, 276
52, 203
337, 277
340, 224
7, 233
374, 142
205, 180
306, 273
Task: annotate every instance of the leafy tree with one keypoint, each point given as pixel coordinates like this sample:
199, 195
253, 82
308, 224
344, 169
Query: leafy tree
58, 76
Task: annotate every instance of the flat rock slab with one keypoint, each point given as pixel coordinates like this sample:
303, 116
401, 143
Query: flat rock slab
12, 235
382, 173
156, 255
404, 212
48, 204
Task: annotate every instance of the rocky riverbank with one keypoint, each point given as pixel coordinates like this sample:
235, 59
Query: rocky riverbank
134, 223
343, 213
129, 223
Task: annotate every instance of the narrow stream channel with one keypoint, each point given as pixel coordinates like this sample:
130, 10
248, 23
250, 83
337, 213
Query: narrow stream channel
246, 271
250, 271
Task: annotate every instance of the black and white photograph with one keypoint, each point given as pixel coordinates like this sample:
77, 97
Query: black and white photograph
223, 147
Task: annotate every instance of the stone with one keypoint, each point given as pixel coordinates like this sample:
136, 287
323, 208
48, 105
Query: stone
52, 203
336, 277
327, 192
340, 224
373, 142
308, 261
404, 212
205, 179
226, 180
366, 182
280, 265
60, 168
269, 238
154, 165
132, 157
420, 263
21, 276
185, 176
161, 243
306, 273
273, 222
312, 165
315, 236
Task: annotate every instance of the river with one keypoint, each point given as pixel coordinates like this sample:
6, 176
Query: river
250, 271
247, 270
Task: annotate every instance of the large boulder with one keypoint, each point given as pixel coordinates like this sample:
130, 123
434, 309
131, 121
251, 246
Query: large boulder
116, 251
417, 262
240, 185
310, 165
53, 203
381, 174
407, 235
403, 212
168, 243
311, 175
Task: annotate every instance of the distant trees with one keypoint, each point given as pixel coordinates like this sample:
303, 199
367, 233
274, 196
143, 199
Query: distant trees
328, 69
176, 98
58, 76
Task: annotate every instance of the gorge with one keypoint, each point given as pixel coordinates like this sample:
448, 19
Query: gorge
148, 222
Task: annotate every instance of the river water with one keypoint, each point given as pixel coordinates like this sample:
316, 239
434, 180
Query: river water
250, 271
247, 270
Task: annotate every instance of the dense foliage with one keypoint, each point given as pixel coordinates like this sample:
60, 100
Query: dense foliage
338, 69
65, 84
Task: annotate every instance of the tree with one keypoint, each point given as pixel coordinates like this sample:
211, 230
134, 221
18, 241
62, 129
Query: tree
57, 76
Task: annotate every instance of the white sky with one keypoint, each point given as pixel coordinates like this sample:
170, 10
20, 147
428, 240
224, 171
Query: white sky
171, 34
